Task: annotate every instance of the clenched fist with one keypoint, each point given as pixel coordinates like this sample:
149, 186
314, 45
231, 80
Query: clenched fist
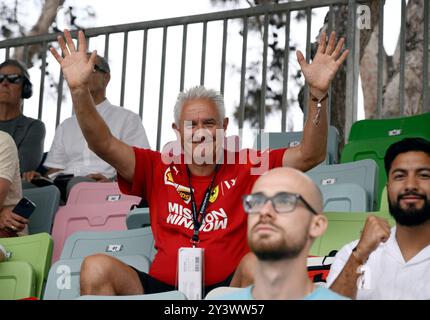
376, 230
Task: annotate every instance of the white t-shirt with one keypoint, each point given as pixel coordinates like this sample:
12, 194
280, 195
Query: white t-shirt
70, 152
386, 274
9, 169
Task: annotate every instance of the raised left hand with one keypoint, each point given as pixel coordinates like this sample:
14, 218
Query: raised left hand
321, 71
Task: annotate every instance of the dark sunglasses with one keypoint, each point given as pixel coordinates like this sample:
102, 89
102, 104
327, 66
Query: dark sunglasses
11, 78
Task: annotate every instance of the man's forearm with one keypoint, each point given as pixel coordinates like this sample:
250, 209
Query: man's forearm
94, 129
314, 142
346, 282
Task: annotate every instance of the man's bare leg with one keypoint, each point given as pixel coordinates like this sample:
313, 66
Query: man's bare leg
105, 275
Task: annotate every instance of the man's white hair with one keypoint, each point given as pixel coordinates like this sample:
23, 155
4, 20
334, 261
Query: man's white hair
199, 92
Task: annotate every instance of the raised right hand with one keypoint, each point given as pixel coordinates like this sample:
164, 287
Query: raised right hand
376, 230
76, 66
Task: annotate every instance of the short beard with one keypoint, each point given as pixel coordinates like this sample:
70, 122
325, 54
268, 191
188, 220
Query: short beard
411, 216
280, 250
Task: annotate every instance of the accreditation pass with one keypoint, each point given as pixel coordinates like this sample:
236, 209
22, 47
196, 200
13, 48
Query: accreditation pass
190, 272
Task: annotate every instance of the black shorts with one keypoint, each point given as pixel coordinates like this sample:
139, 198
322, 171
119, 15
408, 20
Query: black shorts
152, 285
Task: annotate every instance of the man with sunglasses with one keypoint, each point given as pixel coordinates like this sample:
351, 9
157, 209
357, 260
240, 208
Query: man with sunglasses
28, 133
69, 151
284, 218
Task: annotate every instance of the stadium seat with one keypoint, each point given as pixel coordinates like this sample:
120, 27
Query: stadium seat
107, 216
277, 140
343, 227
384, 201
375, 149
370, 139
169, 295
36, 250
64, 276
363, 173
17, 280
138, 218
116, 243
344, 197
94, 192
410, 126
47, 200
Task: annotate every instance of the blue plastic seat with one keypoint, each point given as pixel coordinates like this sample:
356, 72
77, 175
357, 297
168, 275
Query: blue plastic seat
277, 140
363, 173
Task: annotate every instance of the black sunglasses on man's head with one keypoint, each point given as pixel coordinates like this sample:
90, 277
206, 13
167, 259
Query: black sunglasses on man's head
11, 78
98, 68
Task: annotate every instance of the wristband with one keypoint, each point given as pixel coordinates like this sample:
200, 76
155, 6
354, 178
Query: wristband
316, 119
318, 101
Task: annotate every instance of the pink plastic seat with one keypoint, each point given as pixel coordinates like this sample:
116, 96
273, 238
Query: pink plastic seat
94, 192
107, 216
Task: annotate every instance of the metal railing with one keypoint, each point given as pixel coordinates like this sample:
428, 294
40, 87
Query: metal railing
243, 15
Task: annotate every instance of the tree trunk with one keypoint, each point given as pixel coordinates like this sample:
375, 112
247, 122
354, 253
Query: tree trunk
46, 18
391, 76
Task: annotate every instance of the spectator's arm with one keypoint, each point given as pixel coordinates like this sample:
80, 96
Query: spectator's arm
318, 75
4, 190
77, 70
9, 168
346, 282
376, 231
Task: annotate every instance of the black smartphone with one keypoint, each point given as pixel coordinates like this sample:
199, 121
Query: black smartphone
24, 208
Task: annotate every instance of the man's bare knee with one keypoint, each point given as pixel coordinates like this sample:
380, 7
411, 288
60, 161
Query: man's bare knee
96, 274
102, 274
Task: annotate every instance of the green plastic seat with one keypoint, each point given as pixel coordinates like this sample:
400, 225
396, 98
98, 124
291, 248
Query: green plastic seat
370, 139
17, 280
370, 149
384, 209
343, 227
34, 249
397, 127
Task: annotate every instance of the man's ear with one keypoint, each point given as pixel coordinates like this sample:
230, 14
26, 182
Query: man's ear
176, 130
318, 226
225, 123
106, 79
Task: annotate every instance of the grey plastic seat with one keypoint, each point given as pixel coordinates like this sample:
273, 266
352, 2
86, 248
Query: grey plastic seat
345, 197
138, 218
277, 140
363, 173
64, 276
47, 200
169, 295
115, 243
